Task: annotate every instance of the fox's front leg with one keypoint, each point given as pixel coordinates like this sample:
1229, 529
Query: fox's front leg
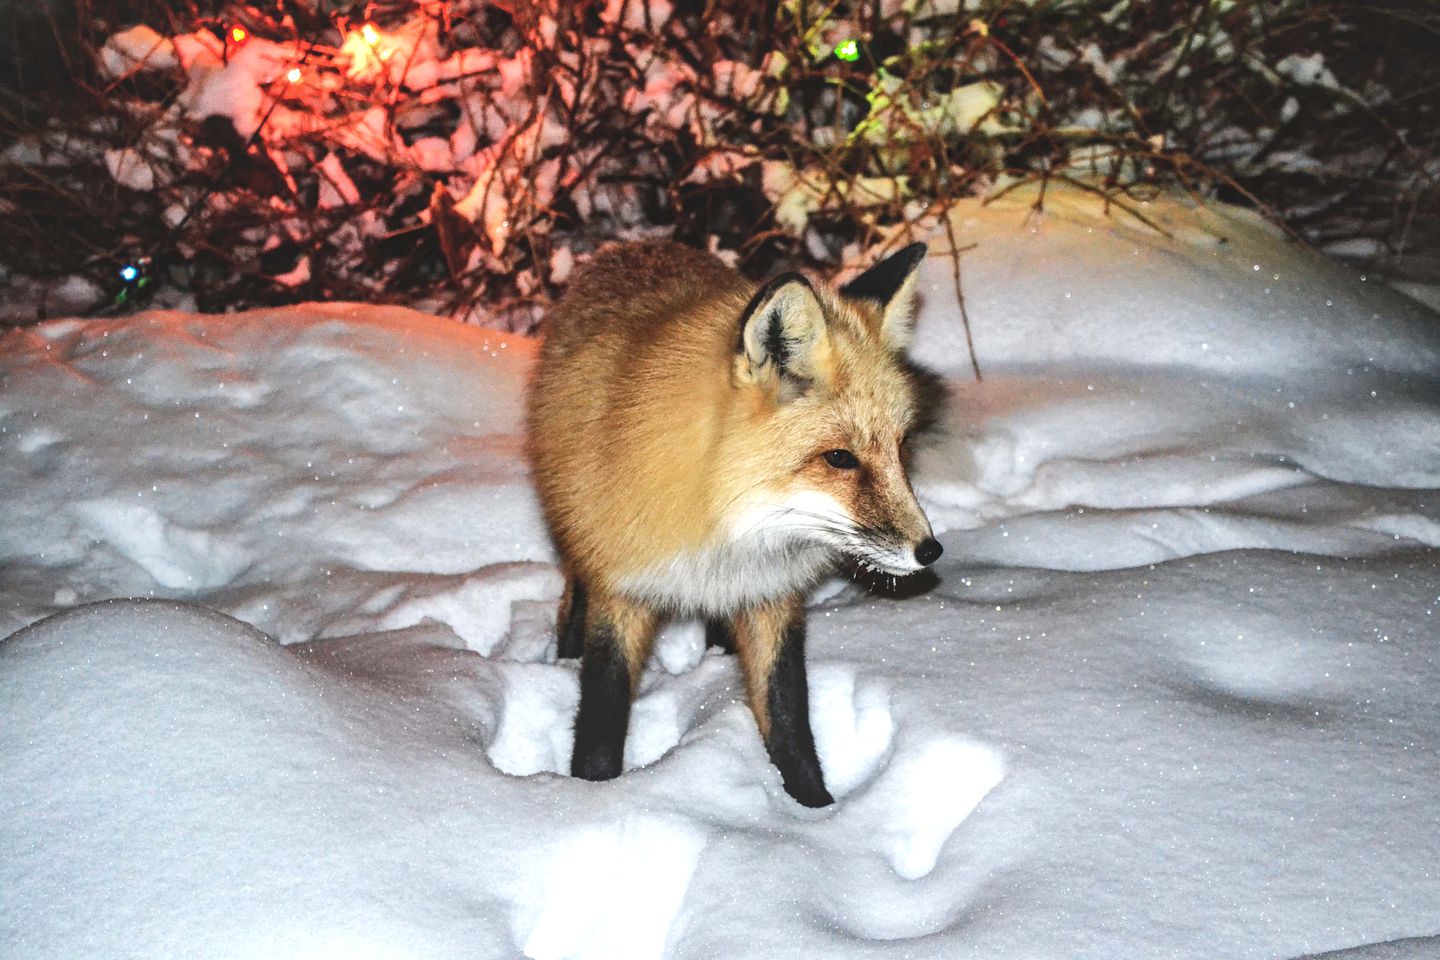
618, 636
771, 643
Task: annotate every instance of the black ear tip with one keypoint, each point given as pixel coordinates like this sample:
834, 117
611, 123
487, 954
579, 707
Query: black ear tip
781, 279
769, 287
881, 282
910, 258
914, 253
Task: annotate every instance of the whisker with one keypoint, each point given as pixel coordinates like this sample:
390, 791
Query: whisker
792, 529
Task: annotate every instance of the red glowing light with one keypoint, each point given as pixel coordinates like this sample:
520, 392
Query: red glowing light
239, 34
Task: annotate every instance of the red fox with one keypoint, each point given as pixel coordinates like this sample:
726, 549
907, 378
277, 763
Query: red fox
706, 448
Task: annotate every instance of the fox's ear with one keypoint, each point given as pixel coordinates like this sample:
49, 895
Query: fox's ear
890, 284
782, 335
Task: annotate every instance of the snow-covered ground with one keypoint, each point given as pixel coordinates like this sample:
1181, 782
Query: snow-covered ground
1170, 693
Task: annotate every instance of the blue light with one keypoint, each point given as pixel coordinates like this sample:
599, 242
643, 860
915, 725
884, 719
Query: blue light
129, 273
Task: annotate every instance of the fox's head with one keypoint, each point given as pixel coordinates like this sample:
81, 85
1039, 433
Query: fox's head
828, 404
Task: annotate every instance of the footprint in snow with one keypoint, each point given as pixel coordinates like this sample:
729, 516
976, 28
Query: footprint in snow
852, 724
912, 791
909, 789
923, 797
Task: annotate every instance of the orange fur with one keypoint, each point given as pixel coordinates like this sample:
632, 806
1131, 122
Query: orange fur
755, 630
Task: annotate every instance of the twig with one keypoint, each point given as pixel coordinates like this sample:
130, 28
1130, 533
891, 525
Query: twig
955, 251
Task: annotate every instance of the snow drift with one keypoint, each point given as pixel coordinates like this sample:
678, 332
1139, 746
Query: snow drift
1169, 693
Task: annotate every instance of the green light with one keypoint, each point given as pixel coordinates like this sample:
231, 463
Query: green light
848, 51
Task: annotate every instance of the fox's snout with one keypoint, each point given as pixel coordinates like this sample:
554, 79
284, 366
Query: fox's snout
893, 533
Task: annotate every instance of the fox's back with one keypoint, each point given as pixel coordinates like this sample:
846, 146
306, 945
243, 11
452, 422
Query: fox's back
628, 401
636, 291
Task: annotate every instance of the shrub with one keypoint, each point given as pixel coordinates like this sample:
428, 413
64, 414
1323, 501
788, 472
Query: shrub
461, 156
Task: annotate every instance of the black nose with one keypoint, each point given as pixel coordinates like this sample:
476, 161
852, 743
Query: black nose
928, 551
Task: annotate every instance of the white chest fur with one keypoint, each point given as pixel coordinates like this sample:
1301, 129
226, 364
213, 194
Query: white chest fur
775, 547
740, 573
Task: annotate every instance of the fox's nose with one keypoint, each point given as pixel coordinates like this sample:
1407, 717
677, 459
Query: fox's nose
928, 551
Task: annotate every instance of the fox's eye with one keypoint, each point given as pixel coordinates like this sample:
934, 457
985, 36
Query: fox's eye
841, 459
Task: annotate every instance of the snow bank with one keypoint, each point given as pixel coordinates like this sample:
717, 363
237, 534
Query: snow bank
1169, 692
259, 800
1219, 291
1195, 391
168, 454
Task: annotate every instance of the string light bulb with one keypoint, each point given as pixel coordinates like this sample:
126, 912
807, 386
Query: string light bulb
293, 75
135, 277
371, 35
238, 34
848, 50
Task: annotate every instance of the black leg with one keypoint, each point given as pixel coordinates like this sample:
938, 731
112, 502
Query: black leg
719, 633
604, 708
791, 742
570, 624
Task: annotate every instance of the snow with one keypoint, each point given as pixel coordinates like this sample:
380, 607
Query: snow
1222, 293
1307, 71
236, 87
1168, 694
129, 168
139, 48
